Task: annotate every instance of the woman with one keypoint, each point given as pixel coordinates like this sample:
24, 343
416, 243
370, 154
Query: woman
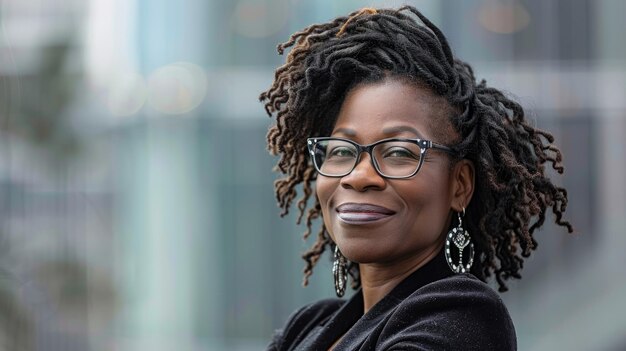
427, 182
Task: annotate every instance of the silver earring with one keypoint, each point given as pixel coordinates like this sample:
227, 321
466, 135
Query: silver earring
339, 272
461, 239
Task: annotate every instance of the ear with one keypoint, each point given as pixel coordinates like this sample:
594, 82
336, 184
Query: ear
462, 184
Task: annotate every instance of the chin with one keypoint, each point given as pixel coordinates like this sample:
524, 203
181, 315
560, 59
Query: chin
360, 252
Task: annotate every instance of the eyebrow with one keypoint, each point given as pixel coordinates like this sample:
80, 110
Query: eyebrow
389, 130
399, 129
345, 131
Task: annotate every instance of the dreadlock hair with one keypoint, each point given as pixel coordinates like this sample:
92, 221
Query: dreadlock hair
512, 191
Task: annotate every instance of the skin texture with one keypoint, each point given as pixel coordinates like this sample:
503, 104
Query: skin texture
391, 248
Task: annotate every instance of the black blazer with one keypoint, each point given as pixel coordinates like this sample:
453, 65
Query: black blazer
432, 309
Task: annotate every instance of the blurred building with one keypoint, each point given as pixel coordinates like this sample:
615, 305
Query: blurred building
136, 201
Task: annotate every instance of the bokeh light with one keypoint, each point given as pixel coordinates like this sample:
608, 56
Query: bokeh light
503, 18
177, 88
257, 19
127, 94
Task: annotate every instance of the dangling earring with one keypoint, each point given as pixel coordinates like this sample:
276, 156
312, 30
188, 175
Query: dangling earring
461, 240
339, 272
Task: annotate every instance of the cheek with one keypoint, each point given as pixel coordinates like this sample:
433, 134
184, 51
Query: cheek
428, 197
431, 202
324, 188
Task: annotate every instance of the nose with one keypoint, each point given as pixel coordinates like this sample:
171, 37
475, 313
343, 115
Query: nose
364, 176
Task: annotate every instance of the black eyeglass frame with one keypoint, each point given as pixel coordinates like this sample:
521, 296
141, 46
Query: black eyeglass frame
424, 145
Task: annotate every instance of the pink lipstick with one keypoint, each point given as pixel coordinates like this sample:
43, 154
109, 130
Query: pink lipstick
353, 213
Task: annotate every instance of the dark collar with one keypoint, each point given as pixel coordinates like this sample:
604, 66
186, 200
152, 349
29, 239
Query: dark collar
355, 326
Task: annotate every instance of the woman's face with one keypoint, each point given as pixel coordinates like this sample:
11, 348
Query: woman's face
378, 220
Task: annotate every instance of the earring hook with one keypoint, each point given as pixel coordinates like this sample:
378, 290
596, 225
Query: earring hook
461, 219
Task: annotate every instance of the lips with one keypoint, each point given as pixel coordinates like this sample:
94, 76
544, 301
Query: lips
355, 213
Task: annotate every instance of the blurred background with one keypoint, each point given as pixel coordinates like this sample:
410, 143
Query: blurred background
136, 201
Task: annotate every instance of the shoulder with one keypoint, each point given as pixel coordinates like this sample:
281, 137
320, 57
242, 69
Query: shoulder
461, 290
315, 312
457, 312
302, 321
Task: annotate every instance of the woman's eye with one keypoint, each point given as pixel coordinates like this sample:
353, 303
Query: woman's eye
400, 152
341, 152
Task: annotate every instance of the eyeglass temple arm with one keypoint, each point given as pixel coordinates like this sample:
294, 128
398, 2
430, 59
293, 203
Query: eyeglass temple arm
432, 145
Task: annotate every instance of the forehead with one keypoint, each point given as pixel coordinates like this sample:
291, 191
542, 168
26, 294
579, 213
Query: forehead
386, 109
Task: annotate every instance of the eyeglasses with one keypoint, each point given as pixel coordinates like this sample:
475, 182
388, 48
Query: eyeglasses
392, 158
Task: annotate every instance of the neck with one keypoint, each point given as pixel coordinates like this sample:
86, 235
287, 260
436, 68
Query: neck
378, 279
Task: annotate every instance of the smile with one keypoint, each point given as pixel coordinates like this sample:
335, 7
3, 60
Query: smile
353, 213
